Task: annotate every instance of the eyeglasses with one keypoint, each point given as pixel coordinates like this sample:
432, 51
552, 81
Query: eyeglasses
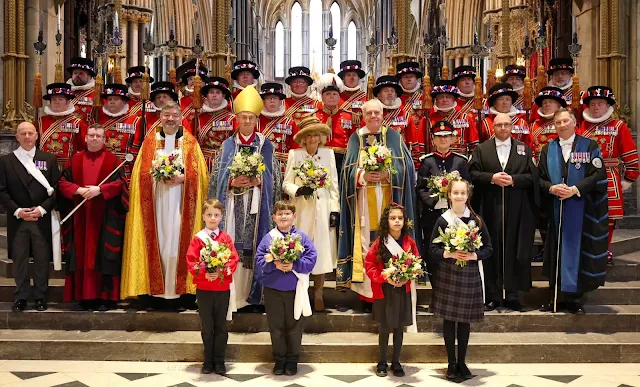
95, 135
500, 126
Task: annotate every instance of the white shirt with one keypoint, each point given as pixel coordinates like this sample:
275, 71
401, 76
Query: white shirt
566, 146
503, 148
25, 156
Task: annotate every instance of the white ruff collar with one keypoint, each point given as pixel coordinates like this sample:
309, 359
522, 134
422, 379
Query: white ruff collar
298, 96
123, 111
411, 91
352, 89
447, 110
131, 92
276, 114
188, 90
395, 105
89, 85
466, 95
587, 116
512, 112
208, 109
237, 86
545, 116
70, 110
565, 87
519, 89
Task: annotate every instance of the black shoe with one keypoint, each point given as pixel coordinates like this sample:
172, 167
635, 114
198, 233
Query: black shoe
381, 369
220, 369
491, 305
463, 371
515, 305
278, 369
452, 372
539, 257
19, 305
291, 369
83, 306
397, 370
576, 308
41, 305
207, 368
367, 307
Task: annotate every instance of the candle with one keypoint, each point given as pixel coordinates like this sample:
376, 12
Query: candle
526, 30
489, 27
171, 24
58, 18
574, 25
41, 20
116, 24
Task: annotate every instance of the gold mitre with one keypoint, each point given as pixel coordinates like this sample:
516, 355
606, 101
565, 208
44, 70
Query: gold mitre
248, 100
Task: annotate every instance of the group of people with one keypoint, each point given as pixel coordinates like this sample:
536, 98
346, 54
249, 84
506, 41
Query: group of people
358, 175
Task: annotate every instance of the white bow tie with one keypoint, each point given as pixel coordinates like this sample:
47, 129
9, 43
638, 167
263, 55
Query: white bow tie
565, 142
31, 153
505, 144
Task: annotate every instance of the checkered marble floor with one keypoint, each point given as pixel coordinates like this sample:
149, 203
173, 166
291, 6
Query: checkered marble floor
97, 374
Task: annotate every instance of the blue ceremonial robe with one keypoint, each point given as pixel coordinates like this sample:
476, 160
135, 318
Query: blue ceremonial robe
249, 229
584, 231
350, 257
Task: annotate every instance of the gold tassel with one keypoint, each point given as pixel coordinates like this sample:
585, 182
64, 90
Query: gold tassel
117, 74
330, 122
542, 79
355, 119
575, 91
37, 91
227, 73
97, 91
59, 75
445, 73
427, 101
145, 93
477, 95
172, 76
491, 79
197, 99
370, 87
526, 94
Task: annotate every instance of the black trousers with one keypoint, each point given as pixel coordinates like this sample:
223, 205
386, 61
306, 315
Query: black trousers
212, 307
29, 239
286, 332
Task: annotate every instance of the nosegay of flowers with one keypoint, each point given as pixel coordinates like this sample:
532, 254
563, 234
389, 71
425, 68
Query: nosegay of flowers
460, 237
164, 168
285, 250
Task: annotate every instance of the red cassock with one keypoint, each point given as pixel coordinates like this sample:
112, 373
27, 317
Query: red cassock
620, 154
543, 132
120, 132
83, 102
280, 131
466, 130
351, 102
341, 125
62, 136
520, 131
90, 225
214, 128
399, 120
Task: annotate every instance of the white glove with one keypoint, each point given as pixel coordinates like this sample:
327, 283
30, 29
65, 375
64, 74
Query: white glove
626, 185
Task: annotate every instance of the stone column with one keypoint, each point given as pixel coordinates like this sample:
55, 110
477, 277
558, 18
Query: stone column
306, 38
287, 50
344, 46
14, 59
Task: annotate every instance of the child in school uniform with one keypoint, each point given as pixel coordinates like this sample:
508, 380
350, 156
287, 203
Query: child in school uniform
285, 290
392, 308
458, 292
212, 289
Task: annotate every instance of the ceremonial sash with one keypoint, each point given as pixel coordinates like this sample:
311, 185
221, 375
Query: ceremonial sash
390, 117
55, 126
296, 106
301, 304
204, 237
396, 250
468, 105
153, 127
273, 123
346, 105
113, 120
82, 99
408, 106
209, 124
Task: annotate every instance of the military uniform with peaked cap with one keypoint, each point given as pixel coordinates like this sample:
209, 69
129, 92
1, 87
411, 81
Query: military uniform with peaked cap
247, 215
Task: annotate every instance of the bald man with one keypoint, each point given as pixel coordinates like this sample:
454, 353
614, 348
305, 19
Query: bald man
27, 178
506, 196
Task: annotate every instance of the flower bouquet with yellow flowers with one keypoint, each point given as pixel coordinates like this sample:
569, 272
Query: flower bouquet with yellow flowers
438, 184
285, 249
406, 267
164, 168
214, 257
312, 175
377, 158
247, 163
460, 237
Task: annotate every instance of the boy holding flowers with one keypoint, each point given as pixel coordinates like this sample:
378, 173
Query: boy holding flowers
284, 259
212, 259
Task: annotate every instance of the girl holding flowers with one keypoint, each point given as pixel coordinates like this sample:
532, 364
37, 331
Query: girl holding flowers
311, 181
436, 170
458, 293
212, 259
391, 263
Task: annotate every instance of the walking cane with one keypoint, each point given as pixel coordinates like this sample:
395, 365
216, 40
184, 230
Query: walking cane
555, 295
127, 159
504, 292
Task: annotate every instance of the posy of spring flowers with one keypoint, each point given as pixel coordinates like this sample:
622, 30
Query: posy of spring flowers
460, 237
164, 168
312, 175
377, 158
214, 257
247, 163
438, 184
285, 249
406, 267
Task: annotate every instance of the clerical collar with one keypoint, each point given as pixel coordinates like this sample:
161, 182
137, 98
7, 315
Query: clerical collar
244, 140
330, 112
178, 133
94, 155
442, 155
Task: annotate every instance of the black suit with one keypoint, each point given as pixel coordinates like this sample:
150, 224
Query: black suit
18, 189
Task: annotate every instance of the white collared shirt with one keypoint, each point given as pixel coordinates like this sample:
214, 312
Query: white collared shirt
25, 156
566, 146
503, 148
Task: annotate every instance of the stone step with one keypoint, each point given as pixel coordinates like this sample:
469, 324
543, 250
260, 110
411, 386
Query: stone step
613, 293
62, 317
3, 237
3, 220
629, 222
338, 347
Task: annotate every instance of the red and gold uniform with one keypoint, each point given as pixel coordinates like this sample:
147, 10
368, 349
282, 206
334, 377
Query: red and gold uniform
279, 129
520, 131
215, 127
618, 149
83, 100
120, 132
62, 134
543, 132
342, 127
351, 101
464, 128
